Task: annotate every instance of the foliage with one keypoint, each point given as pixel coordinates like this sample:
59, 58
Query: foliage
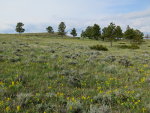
50, 29
61, 29
96, 32
119, 33
111, 32
135, 36
88, 32
99, 48
73, 32
132, 46
55, 75
19, 27
104, 33
83, 35
92, 32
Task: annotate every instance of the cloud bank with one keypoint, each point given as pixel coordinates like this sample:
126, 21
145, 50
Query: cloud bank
38, 14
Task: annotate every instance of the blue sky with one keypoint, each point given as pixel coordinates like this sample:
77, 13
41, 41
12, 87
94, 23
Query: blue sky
38, 14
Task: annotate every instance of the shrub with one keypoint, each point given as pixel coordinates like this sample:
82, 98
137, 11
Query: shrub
123, 46
122, 43
133, 46
125, 62
99, 48
99, 109
110, 59
74, 107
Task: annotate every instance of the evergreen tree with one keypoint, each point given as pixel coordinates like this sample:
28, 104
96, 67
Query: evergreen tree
19, 27
129, 34
104, 33
96, 33
119, 33
93, 32
61, 29
133, 35
50, 29
88, 32
83, 34
74, 32
111, 32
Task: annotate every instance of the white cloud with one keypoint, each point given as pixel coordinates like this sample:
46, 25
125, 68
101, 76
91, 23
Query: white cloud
37, 14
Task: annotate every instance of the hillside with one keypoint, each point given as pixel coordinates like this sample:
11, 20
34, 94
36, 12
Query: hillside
47, 74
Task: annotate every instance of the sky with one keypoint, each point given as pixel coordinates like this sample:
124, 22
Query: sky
38, 14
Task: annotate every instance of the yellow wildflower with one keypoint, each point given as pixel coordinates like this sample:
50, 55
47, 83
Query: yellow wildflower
8, 99
73, 99
142, 79
1, 102
18, 108
145, 65
1, 83
70, 107
143, 110
100, 91
49, 87
68, 98
83, 97
7, 108
12, 83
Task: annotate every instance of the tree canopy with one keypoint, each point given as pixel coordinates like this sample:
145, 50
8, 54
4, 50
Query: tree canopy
92, 32
19, 27
50, 29
61, 29
74, 32
133, 35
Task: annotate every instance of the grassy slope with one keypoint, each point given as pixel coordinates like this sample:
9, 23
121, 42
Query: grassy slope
54, 75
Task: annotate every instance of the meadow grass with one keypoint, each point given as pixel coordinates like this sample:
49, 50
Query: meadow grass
48, 74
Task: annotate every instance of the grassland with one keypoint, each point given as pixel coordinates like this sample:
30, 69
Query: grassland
48, 74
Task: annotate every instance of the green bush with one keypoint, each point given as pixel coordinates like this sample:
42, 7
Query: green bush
99, 48
123, 46
133, 46
122, 43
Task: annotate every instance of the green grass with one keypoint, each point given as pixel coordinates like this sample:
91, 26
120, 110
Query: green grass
45, 73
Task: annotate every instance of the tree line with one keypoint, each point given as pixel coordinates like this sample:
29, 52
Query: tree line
110, 33
61, 29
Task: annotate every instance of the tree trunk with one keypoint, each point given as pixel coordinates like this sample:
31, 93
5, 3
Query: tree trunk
111, 43
103, 39
19, 34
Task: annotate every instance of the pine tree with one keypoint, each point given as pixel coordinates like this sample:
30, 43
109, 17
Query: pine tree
61, 29
19, 27
96, 33
74, 32
119, 33
111, 32
50, 29
135, 36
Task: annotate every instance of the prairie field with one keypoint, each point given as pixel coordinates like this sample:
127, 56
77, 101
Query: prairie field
50, 74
